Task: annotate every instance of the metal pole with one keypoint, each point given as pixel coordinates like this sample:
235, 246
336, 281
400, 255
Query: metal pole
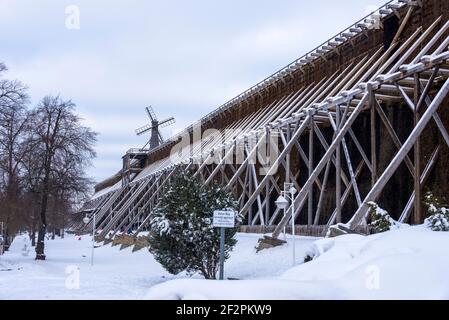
93, 240
222, 245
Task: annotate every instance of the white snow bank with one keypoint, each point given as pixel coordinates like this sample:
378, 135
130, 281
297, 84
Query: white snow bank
119, 274
67, 273
409, 263
187, 289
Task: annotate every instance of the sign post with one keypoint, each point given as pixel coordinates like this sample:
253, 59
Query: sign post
223, 220
2, 239
222, 245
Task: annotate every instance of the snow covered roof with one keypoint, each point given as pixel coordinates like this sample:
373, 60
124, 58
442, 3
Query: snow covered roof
105, 191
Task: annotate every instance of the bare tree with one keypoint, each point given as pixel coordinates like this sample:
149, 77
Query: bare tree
13, 125
63, 148
44, 154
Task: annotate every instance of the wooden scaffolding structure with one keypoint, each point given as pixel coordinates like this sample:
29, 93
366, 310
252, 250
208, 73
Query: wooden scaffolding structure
324, 122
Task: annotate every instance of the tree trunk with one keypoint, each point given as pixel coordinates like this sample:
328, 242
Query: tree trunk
40, 246
33, 237
63, 226
33, 230
7, 240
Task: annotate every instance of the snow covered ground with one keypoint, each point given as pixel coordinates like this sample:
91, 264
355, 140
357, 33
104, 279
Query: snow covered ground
67, 273
408, 263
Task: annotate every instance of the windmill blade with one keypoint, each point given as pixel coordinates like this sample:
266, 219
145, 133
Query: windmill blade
151, 113
144, 129
167, 122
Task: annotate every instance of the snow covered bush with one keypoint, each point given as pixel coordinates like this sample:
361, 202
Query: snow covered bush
380, 220
438, 219
182, 237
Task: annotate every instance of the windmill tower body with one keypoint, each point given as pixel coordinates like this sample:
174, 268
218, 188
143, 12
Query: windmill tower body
155, 139
134, 159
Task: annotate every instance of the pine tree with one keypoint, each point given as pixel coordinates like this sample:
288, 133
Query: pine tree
380, 220
182, 237
438, 214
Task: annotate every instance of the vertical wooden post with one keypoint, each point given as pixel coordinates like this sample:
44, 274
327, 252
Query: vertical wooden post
287, 161
417, 156
267, 188
250, 183
373, 135
287, 157
338, 168
310, 201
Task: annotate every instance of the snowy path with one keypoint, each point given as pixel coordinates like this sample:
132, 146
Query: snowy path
119, 274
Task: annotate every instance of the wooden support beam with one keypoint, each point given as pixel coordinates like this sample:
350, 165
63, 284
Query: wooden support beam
351, 173
348, 161
393, 136
418, 219
338, 171
220, 165
403, 24
441, 127
120, 212
424, 176
305, 159
346, 194
360, 149
159, 189
275, 165
259, 201
327, 156
322, 193
325, 145
310, 195
399, 158
245, 163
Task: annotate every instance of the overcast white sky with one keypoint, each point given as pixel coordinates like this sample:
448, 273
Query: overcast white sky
185, 58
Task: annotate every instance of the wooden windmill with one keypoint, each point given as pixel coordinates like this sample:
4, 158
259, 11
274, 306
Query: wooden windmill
156, 137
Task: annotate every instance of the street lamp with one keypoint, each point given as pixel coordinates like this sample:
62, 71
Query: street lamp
282, 203
86, 221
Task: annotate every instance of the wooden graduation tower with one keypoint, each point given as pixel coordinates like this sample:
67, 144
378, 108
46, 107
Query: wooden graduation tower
362, 117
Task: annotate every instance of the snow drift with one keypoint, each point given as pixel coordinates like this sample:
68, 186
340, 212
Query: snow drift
408, 263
